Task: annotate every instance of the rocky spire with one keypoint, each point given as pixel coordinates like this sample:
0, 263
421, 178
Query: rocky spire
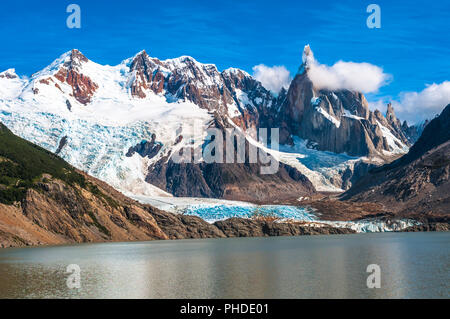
307, 59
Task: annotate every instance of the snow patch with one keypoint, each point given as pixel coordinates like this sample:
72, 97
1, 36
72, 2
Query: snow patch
330, 118
397, 147
352, 116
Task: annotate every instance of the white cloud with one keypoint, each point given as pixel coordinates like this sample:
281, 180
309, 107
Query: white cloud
272, 78
418, 106
380, 105
361, 77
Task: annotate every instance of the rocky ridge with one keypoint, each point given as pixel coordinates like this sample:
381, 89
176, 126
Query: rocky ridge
416, 184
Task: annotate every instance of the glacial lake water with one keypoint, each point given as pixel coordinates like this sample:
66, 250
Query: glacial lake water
413, 265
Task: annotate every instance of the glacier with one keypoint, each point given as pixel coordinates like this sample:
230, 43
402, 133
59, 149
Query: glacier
212, 210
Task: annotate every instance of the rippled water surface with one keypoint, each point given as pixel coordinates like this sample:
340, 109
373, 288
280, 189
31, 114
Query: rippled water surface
413, 265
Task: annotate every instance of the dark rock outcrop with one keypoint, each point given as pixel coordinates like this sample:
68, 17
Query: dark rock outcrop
9, 74
436, 133
239, 227
429, 227
232, 181
69, 106
184, 226
145, 148
61, 145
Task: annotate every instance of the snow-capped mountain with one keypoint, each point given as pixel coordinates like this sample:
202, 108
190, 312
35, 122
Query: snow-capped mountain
124, 123
338, 121
10, 84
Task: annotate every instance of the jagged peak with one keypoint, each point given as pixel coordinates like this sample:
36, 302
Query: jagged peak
139, 59
390, 109
10, 73
307, 53
141, 54
377, 113
76, 54
231, 71
390, 114
70, 60
184, 59
307, 59
74, 58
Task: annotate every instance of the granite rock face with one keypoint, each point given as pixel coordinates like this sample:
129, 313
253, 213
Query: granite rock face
339, 122
417, 183
145, 148
336, 121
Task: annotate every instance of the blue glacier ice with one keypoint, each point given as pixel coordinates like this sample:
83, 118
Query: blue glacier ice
219, 212
212, 213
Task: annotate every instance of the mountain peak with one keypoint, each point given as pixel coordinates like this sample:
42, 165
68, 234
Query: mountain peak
76, 57
140, 60
236, 71
9, 74
390, 114
70, 60
307, 52
141, 54
307, 59
435, 133
68, 69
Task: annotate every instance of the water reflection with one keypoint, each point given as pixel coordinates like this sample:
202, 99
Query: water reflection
412, 265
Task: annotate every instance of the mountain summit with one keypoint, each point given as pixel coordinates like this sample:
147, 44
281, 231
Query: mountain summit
338, 121
307, 59
124, 123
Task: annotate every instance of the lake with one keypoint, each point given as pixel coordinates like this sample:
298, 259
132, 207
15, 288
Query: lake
413, 265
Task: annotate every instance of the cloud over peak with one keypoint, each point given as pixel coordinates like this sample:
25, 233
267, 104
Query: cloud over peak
418, 106
361, 77
272, 78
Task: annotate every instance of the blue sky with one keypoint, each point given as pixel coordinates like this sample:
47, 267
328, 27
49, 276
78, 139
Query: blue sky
413, 44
